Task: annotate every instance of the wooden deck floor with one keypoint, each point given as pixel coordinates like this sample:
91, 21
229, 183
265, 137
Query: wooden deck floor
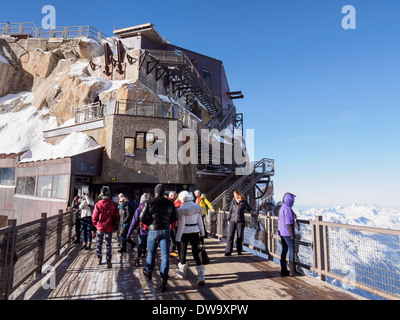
246, 277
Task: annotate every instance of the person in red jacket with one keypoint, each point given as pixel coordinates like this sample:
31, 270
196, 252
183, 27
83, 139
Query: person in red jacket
105, 218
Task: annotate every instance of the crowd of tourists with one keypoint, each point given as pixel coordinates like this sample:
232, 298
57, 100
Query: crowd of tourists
171, 222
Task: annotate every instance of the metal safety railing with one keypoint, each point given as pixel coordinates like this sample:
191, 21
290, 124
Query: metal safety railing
170, 110
70, 32
89, 112
25, 248
363, 257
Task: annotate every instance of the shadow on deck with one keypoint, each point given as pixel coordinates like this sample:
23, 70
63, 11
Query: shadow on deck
76, 275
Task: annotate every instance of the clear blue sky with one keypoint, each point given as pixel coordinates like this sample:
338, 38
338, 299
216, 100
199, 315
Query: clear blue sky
324, 102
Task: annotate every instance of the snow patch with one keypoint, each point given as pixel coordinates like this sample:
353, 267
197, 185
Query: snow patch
23, 131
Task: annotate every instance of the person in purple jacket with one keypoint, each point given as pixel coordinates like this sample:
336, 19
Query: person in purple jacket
142, 229
286, 223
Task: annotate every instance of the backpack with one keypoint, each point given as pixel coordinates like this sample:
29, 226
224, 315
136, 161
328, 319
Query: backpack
143, 226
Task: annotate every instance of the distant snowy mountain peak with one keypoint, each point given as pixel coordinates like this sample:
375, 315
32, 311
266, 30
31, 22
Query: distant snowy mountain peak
356, 214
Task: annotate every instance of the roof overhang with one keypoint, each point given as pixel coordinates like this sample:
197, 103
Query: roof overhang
146, 29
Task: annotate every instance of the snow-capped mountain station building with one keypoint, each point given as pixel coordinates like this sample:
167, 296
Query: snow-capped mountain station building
80, 110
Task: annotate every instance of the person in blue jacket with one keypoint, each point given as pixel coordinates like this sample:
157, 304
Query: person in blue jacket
286, 223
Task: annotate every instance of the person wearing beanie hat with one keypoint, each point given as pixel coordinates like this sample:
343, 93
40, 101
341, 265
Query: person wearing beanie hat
159, 190
158, 214
105, 217
190, 229
142, 229
104, 192
125, 217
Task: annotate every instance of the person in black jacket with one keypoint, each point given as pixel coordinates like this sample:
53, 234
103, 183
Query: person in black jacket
125, 217
236, 221
158, 214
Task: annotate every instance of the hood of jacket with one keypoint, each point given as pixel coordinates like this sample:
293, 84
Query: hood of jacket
288, 199
190, 208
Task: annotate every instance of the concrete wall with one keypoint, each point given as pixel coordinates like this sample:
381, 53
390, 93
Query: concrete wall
136, 169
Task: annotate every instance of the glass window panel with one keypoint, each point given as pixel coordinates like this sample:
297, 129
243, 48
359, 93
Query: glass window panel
30, 185
160, 151
149, 139
129, 146
145, 109
44, 186
7, 176
60, 186
20, 188
140, 140
163, 110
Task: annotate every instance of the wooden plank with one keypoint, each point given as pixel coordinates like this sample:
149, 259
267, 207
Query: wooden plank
245, 277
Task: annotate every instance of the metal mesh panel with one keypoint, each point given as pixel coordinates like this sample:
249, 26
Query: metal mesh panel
366, 257
5, 246
51, 238
27, 236
24, 266
65, 235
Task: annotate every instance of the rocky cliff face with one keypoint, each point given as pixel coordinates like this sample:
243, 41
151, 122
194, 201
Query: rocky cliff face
60, 75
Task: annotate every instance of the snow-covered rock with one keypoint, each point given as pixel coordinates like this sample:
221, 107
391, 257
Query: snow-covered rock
22, 130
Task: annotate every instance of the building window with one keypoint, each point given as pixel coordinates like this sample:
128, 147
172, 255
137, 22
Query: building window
60, 186
7, 176
26, 185
206, 75
129, 149
44, 186
144, 140
20, 188
160, 144
30, 185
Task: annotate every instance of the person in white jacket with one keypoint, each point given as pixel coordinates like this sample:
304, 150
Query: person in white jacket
86, 220
190, 229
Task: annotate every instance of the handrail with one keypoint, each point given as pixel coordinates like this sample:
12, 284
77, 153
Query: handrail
178, 57
253, 166
67, 32
322, 247
24, 248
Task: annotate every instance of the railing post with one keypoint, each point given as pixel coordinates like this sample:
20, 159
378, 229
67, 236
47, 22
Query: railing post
7, 28
42, 244
268, 235
318, 247
59, 232
220, 226
70, 225
9, 278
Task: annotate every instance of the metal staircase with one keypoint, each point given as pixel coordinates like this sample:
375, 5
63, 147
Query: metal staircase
258, 172
177, 69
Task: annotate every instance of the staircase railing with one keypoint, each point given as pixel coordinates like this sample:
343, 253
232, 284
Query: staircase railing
218, 202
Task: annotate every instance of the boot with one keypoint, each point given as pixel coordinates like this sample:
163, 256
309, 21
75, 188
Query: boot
123, 247
132, 243
164, 284
147, 273
99, 261
284, 271
182, 270
88, 246
293, 272
201, 278
109, 265
136, 261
